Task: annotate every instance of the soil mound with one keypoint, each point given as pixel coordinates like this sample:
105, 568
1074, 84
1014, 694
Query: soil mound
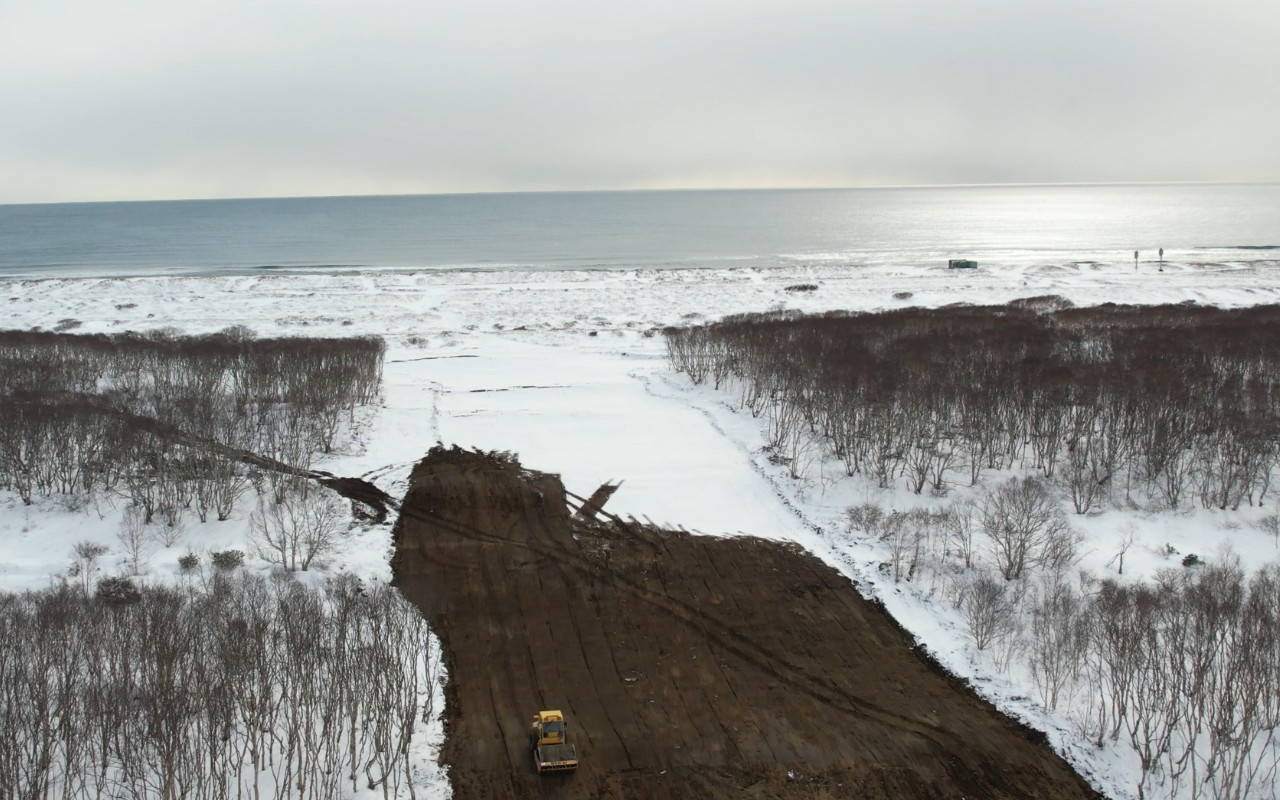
687, 666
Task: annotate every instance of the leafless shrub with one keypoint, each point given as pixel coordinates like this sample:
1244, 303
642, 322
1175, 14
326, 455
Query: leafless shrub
895, 532
1042, 303
865, 517
989, 612
118, 591
227, 559
170, 529
1270, 523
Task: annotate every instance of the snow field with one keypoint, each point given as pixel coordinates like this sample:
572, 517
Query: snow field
565, 368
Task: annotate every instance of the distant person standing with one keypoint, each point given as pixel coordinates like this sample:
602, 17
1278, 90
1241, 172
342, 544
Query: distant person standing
1162, 259
1135, 260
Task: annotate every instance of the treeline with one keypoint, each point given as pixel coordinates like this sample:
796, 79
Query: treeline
1167, 405
243, 686
1180, 404
1185, 670
133, 413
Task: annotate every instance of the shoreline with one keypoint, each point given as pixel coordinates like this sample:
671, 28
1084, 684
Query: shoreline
443, 305
992, 259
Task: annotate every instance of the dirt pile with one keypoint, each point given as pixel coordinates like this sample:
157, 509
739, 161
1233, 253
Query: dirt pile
688, 666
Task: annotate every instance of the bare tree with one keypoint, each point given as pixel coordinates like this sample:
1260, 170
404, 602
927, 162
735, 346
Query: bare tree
989, 612
134, 538
296, 523
962, 527
1024, 526
1126, 543
895, 532
1083, 484
1058, 640
85, 564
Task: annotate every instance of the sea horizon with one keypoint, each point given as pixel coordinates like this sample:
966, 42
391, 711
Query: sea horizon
1012, 224
647, 190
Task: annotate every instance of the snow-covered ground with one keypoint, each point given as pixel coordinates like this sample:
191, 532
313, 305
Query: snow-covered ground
568, 369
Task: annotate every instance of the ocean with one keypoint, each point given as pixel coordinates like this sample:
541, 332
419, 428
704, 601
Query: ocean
1051, 224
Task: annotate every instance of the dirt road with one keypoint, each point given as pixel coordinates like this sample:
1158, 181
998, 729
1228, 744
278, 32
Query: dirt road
688, 666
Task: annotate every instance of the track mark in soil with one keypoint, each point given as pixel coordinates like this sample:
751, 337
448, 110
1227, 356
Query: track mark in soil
688, 666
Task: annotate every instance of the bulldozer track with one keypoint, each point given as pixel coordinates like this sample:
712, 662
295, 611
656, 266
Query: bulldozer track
687, 666
775, 664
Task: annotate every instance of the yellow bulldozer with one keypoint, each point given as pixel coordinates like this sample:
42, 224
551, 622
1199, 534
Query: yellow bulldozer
549, 742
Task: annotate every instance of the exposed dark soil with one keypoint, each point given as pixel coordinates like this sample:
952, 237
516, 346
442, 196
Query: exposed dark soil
687, 666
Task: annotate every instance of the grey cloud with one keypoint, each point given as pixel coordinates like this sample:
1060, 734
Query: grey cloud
148, 99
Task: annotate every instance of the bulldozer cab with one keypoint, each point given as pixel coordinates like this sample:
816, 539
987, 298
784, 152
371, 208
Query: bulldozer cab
550, 726
552, 731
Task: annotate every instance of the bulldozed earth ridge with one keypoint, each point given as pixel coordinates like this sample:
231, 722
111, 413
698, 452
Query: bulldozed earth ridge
688, 666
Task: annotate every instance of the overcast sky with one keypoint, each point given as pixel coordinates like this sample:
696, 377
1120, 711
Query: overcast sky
142, 99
